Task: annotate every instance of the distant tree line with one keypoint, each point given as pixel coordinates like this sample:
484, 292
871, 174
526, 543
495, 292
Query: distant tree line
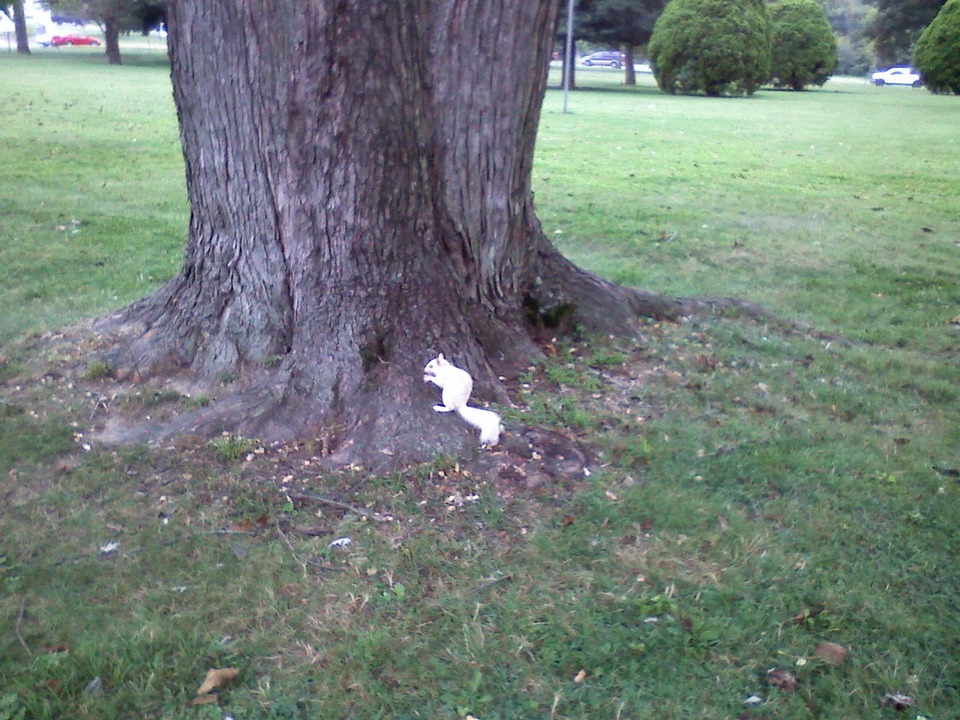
867, 33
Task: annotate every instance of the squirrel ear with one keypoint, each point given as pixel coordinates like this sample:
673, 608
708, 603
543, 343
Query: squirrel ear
440, 357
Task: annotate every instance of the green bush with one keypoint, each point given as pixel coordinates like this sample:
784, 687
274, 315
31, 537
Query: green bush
714, 47
804, 50
937, 52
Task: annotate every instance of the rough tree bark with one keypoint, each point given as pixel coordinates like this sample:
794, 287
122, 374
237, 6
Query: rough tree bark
111, 37
629, 71
359, 180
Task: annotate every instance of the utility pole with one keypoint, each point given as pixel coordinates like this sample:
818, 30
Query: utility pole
568, 55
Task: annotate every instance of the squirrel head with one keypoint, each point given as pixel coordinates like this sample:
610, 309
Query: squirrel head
430, 371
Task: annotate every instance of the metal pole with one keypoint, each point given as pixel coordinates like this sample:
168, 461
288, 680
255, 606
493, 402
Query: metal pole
568, 55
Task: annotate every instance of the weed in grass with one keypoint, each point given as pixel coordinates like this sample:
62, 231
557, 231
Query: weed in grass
96, 370
571, 377
231, 447
196, 401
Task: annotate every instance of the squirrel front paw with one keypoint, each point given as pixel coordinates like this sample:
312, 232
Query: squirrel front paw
442, 408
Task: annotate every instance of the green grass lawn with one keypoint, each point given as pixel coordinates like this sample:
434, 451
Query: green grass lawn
752, 494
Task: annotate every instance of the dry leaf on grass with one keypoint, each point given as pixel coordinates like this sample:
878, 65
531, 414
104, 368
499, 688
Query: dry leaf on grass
214, 679
783, 679
831, 653
897, 701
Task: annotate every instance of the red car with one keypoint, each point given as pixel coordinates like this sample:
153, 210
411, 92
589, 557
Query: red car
59, 40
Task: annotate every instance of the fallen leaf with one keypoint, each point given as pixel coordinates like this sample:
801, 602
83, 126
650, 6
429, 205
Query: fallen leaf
806, 613
580, 677
67, 465
94, 687
216, 678
54, 685
203, 700
783, 679
897, 701
831, 653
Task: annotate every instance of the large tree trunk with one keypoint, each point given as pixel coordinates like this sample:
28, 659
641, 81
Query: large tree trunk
359, 180
20, 25
629, 71
111, 37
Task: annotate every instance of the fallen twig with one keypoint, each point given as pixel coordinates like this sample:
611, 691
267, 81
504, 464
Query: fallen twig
230, 532
286, 541
482, 587
23, 605
340, 505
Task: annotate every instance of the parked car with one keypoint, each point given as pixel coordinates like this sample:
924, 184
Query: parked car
59, 40
606, 58
898, 75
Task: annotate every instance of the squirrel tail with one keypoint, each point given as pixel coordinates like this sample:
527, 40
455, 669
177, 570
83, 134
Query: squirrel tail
486, 421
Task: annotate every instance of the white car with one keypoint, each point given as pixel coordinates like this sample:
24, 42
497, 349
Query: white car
897, 76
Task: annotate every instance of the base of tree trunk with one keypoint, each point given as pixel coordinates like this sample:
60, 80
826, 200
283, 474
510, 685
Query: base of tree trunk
390, 422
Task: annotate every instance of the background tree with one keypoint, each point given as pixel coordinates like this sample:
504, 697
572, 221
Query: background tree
15, 12
853, 23
624, 23
937, 52
899, 24
359, 177
804, 49
713, 47
114, 17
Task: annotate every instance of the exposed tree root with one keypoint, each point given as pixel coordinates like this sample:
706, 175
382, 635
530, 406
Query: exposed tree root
383, 430
564, 296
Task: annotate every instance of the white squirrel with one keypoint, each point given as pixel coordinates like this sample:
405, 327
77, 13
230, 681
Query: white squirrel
457, 385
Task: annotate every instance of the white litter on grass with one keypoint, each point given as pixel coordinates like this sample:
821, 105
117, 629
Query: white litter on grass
753, 701
109, 547
340, 542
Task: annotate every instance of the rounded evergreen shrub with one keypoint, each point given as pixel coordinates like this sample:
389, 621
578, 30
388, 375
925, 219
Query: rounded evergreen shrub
804, 50
937, 52
714, 47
